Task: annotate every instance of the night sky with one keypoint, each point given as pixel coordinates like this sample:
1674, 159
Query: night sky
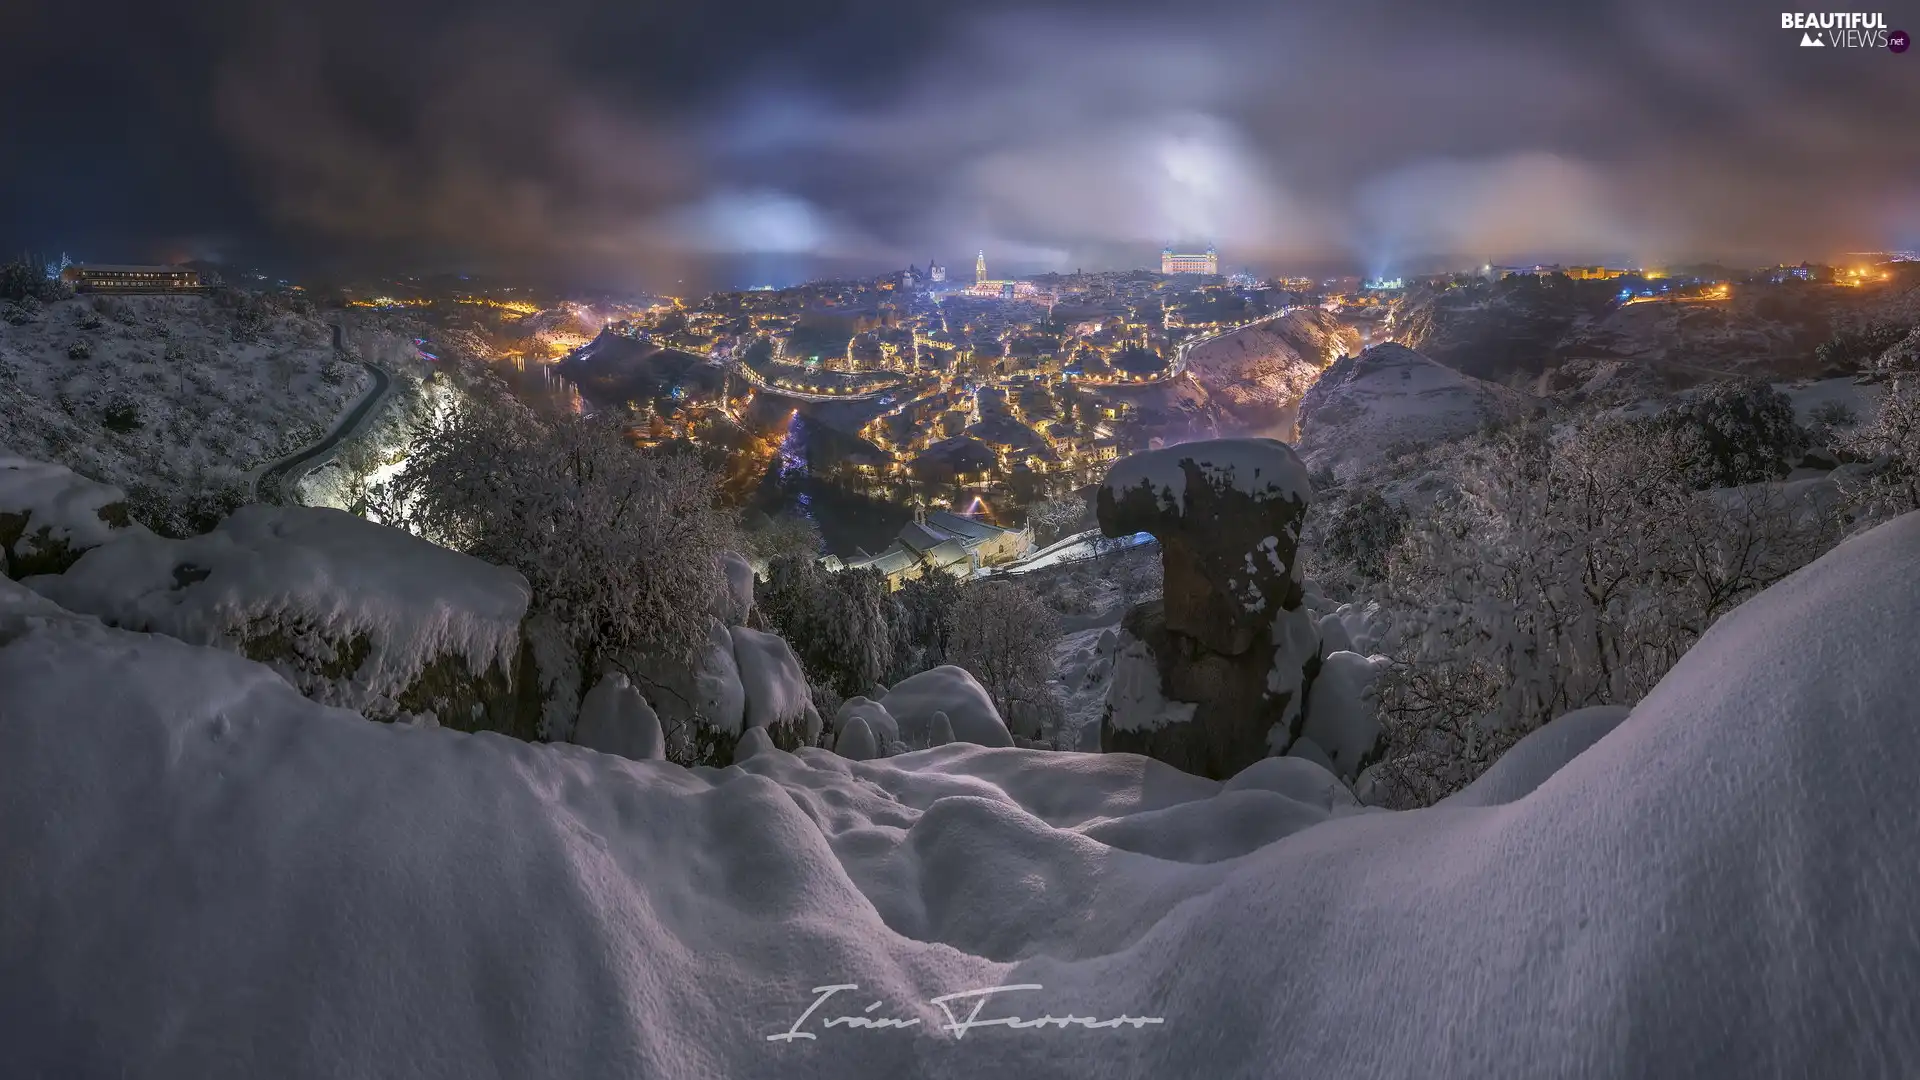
638, 143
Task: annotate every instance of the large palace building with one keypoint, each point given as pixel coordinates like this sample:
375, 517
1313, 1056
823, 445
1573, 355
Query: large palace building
110, 277
1172, 262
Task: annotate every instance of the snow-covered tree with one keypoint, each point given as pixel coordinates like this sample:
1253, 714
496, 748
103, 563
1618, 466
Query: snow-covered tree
1890, 440
1056, 518
1004, 635
923, 624
837, 623
621, 547
1566, 571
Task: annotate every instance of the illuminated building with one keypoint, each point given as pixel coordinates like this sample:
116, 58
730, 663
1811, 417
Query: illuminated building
1172, 262
980, 268
110, 277
987, 288
937, 273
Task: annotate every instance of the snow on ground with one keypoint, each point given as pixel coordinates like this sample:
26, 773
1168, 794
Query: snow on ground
167, 395
1810, 394
1076, 548
318, 577
1364, 405
211, 876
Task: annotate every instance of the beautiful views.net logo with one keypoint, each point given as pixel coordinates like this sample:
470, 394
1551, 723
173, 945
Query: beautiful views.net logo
1844, 30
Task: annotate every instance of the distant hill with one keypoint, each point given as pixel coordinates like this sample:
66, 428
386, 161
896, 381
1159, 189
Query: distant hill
1363, 405
614, 368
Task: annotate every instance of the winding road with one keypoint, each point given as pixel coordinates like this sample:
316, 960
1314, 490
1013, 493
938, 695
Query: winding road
266, 486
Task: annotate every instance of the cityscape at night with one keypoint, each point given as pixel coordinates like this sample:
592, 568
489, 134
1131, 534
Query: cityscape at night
1048, 540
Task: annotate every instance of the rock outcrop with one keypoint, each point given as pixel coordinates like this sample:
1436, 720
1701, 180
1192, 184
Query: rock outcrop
1213, 677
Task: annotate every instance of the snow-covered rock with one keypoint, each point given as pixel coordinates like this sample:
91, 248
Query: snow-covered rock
49, 515
616, 719
1342, 719
1721, 885
353, 613
954, 691
734, 604
878, 719
754, 740
777, 697
940, 732
855, 740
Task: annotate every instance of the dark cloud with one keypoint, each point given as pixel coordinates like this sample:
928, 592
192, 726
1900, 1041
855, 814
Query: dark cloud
647, 141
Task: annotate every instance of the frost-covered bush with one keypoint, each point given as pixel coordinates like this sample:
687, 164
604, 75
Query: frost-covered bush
922, 627
1562, 572
784, 534
1731, 433
622, 547
1890, 440
79, 350
1056, 518
191, 506
1361, 530
1858, 347
837, 623
1004, 635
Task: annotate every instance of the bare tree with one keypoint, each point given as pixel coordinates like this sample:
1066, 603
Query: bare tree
621, 547
1004, 635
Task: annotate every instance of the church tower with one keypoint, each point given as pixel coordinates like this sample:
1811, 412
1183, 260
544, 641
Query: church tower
980, 267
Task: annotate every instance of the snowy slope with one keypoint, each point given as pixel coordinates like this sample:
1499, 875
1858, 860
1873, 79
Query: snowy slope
210, 876
1365, 404
168, 396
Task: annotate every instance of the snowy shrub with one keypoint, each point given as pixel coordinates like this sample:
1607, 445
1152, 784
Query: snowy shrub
122, 415
1856, 348
784, 534
1004, 635
25, 279
1563, 573
1891, 441
837, 623
1834, 414
1056, 518
1733, 433
191, 506
922, 624
79, 350
1360, 531
622, 548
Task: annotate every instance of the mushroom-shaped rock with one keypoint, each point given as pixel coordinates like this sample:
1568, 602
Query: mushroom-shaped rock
940, 730
616, 719
855, 741
752, 741
1228, 514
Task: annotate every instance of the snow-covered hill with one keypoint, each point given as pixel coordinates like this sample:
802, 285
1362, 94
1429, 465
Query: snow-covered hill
1268, 365
1364, 405
173, 398
209, 875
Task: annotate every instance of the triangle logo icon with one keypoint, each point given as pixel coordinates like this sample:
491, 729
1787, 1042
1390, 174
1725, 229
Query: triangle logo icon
1809, 39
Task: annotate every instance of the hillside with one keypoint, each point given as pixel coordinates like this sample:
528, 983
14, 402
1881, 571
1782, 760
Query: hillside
173, 398
1364, 405
1266, 367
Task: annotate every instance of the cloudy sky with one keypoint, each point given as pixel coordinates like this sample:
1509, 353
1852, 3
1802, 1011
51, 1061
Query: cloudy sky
642, 143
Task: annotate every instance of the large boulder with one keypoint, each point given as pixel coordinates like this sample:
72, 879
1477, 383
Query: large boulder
351, 613
777, 697
1227, 513
616, 719
915, 700
50, 516
1212, 677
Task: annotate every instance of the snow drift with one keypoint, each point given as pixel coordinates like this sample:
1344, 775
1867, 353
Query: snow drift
209, 875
